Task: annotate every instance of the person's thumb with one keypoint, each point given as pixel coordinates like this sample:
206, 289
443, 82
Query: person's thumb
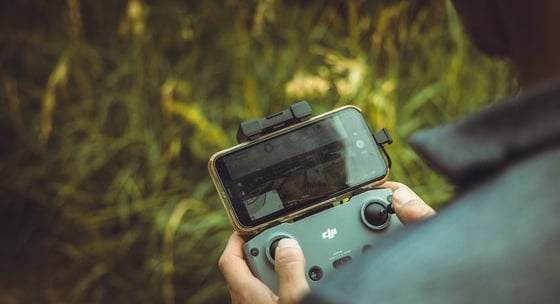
409, 207
289, 264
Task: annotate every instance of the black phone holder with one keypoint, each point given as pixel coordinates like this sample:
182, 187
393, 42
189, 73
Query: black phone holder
252, 129
300, 111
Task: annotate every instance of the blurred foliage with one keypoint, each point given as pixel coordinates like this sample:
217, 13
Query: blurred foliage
109, 111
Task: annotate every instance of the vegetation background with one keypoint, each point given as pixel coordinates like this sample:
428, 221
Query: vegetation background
109, 111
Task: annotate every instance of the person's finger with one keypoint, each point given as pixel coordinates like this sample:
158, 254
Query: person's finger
231, 263
289, 264
408, 206
392, 185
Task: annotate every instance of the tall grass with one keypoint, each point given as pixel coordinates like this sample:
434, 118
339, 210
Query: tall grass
109, 112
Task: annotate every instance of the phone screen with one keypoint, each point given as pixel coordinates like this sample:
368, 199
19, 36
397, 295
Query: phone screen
302, 167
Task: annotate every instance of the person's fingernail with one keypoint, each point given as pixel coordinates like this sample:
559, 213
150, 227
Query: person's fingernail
403, 195
288, 242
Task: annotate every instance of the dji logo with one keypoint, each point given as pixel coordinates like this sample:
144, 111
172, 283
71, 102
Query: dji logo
329, 234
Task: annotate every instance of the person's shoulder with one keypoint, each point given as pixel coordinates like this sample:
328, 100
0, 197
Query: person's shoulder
497, 242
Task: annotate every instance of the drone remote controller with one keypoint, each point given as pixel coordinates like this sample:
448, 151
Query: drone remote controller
329, 238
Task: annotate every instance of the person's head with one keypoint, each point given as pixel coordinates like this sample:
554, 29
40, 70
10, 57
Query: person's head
524, 30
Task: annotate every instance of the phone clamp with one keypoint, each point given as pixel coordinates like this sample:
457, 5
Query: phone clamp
382, 137
255, 128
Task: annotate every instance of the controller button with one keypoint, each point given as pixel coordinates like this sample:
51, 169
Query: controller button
375, 215
336, 264
254, 251
315, 273
390, 198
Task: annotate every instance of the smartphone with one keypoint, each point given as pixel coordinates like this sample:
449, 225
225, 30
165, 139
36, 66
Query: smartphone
291, 171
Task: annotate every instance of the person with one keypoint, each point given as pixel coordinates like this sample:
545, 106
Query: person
498, 240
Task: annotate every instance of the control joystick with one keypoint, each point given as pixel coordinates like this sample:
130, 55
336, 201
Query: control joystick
376, 214
329, 239
271, 253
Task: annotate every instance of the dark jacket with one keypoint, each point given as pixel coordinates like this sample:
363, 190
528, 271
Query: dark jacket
498, 241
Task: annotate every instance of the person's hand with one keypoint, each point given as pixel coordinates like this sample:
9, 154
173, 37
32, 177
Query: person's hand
244, 287
408, 206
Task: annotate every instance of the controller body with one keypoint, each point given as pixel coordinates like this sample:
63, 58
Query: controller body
329, 238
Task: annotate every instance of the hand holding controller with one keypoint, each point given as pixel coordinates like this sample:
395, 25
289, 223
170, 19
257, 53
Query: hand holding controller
329, 239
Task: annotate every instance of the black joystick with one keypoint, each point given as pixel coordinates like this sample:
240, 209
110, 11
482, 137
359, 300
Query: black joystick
376, 215
273, 247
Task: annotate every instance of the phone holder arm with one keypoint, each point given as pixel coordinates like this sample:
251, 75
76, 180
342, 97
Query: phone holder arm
255, 128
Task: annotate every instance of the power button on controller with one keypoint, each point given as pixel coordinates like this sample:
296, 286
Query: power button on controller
254, 251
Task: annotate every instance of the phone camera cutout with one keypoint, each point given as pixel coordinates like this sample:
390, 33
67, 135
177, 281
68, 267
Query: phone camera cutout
360, 144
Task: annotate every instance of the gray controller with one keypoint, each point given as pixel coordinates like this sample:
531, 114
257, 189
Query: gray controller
329, 239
